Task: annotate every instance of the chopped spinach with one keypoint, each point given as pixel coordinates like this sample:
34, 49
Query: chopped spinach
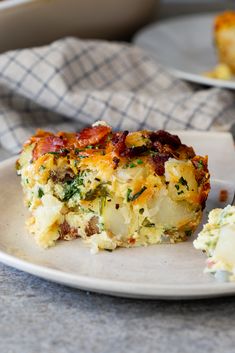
72, 187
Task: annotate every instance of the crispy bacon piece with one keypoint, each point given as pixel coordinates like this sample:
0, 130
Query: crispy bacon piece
223, 195
186, 152
132, 152
159, 162
92, 135
159, 147
118, 142
165, 137
39, 135
116, 162
48, 144
201, 168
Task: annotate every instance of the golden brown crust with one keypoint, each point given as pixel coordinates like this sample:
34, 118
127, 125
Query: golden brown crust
224, 20
157, 146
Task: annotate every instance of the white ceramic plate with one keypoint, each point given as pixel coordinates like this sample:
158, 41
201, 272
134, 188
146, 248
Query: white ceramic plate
185, 46
160, 271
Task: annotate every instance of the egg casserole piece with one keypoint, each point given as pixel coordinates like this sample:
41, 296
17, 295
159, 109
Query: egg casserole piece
112, 189
224, 35
217, 240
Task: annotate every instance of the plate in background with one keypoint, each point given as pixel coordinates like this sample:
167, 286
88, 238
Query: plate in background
27, 23
185, 46
158, 271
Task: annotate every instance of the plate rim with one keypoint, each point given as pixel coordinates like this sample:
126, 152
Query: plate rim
191, 77
117, 287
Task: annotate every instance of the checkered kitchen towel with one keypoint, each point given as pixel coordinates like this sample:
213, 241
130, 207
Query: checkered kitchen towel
72, 83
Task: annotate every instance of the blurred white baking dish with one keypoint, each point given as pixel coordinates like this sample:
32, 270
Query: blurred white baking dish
25, 23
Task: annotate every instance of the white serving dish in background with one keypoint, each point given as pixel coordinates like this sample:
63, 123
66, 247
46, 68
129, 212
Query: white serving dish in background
25, 23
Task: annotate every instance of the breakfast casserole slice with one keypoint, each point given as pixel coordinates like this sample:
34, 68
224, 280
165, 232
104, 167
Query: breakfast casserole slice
112, 189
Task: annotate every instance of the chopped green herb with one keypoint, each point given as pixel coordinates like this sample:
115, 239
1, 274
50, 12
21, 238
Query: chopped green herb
102, 204
99, 191
200, 164
42, 167
183, 182
89, 209
27, 180
81, 156
40, 193
29, 204
72, 187
141, 210
136, 195
180, 192
101, 226
64, 150
55, 153
139, 161
128, 195
147, 223
132, 165
177, 186
77, 150
90, 147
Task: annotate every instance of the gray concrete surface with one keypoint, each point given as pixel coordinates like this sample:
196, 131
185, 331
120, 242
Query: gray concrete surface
41, 317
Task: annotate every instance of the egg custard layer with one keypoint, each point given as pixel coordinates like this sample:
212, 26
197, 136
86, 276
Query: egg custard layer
112, 189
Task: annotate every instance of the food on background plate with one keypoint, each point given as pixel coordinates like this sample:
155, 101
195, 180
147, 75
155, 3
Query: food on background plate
217, 239
112, 189
224, 39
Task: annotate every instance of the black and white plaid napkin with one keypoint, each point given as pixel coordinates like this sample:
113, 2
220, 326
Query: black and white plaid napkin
72, 83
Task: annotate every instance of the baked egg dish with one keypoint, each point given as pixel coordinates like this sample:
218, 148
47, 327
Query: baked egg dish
112, 189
